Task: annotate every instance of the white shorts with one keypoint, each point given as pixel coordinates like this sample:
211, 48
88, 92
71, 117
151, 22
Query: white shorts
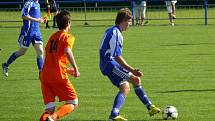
170, 3
140, 9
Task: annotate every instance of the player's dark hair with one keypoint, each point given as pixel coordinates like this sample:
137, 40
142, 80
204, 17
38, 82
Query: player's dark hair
63, 18
123, 14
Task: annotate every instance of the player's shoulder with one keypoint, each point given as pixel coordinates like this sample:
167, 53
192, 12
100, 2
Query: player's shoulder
54, 36
28, 3
67, 36
116, 30
112, 30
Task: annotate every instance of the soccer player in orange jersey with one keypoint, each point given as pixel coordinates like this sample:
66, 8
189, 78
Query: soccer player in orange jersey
54, 78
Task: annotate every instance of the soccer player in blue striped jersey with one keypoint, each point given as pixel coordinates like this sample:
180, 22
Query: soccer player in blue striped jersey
30, 33
118, 70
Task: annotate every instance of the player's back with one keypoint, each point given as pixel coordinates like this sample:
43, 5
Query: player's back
55, 65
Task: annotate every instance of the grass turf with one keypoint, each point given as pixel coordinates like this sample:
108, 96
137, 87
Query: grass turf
178, 65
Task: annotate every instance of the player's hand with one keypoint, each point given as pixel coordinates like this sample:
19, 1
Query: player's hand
43, 19
137, 72
74, 72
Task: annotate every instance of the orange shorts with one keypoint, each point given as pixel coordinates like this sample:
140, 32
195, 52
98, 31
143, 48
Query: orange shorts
64, 91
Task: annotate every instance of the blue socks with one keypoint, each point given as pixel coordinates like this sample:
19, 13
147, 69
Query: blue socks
142, 96
120, 99
118, 102
12, 58
40, 62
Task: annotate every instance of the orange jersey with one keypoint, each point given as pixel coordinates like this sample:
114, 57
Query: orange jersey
55, 65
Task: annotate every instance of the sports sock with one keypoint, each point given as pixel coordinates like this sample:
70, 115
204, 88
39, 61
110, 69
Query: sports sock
12, 58
64, 110
142, 96
118, 102
40, 62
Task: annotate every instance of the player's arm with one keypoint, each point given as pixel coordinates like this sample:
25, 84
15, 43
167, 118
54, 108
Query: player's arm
125, 65
71, 59
39, 20
26, 16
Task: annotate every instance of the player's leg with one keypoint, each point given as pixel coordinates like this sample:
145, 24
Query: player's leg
49, 110
38, 45
143, 12
64, 110
136, 82
119, 101
136, 13
48, 15
139, 15
173, 9
169, 10
24, 42
66, 93
119, 77
47, 24
55, 11
54, 20
49, 100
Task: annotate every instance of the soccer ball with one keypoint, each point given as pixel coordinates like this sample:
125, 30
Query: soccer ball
170, 112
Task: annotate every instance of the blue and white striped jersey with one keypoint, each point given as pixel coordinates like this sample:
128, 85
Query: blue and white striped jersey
32, 9
110, 47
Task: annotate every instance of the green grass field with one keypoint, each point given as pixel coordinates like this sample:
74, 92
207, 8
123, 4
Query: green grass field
178, 65
157, 15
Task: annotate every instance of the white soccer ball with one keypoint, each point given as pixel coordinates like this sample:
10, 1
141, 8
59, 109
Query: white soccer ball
170, 112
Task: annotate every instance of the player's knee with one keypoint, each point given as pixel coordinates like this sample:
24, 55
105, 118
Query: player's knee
50, 107
72, 107
135, 80
20, 53
73, 103
39, 52
75, 106
39, 48
125, 88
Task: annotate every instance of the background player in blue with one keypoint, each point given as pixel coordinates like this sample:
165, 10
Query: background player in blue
116, 68
30, 33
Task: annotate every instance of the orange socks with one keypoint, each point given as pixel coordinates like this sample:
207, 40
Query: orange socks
64, 110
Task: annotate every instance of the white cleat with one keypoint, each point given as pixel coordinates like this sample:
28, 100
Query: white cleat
49, 118
171, 24
5, 69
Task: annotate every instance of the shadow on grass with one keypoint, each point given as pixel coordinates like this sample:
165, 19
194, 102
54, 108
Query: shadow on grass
186, 44
189, 90
106, 120
202, 54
